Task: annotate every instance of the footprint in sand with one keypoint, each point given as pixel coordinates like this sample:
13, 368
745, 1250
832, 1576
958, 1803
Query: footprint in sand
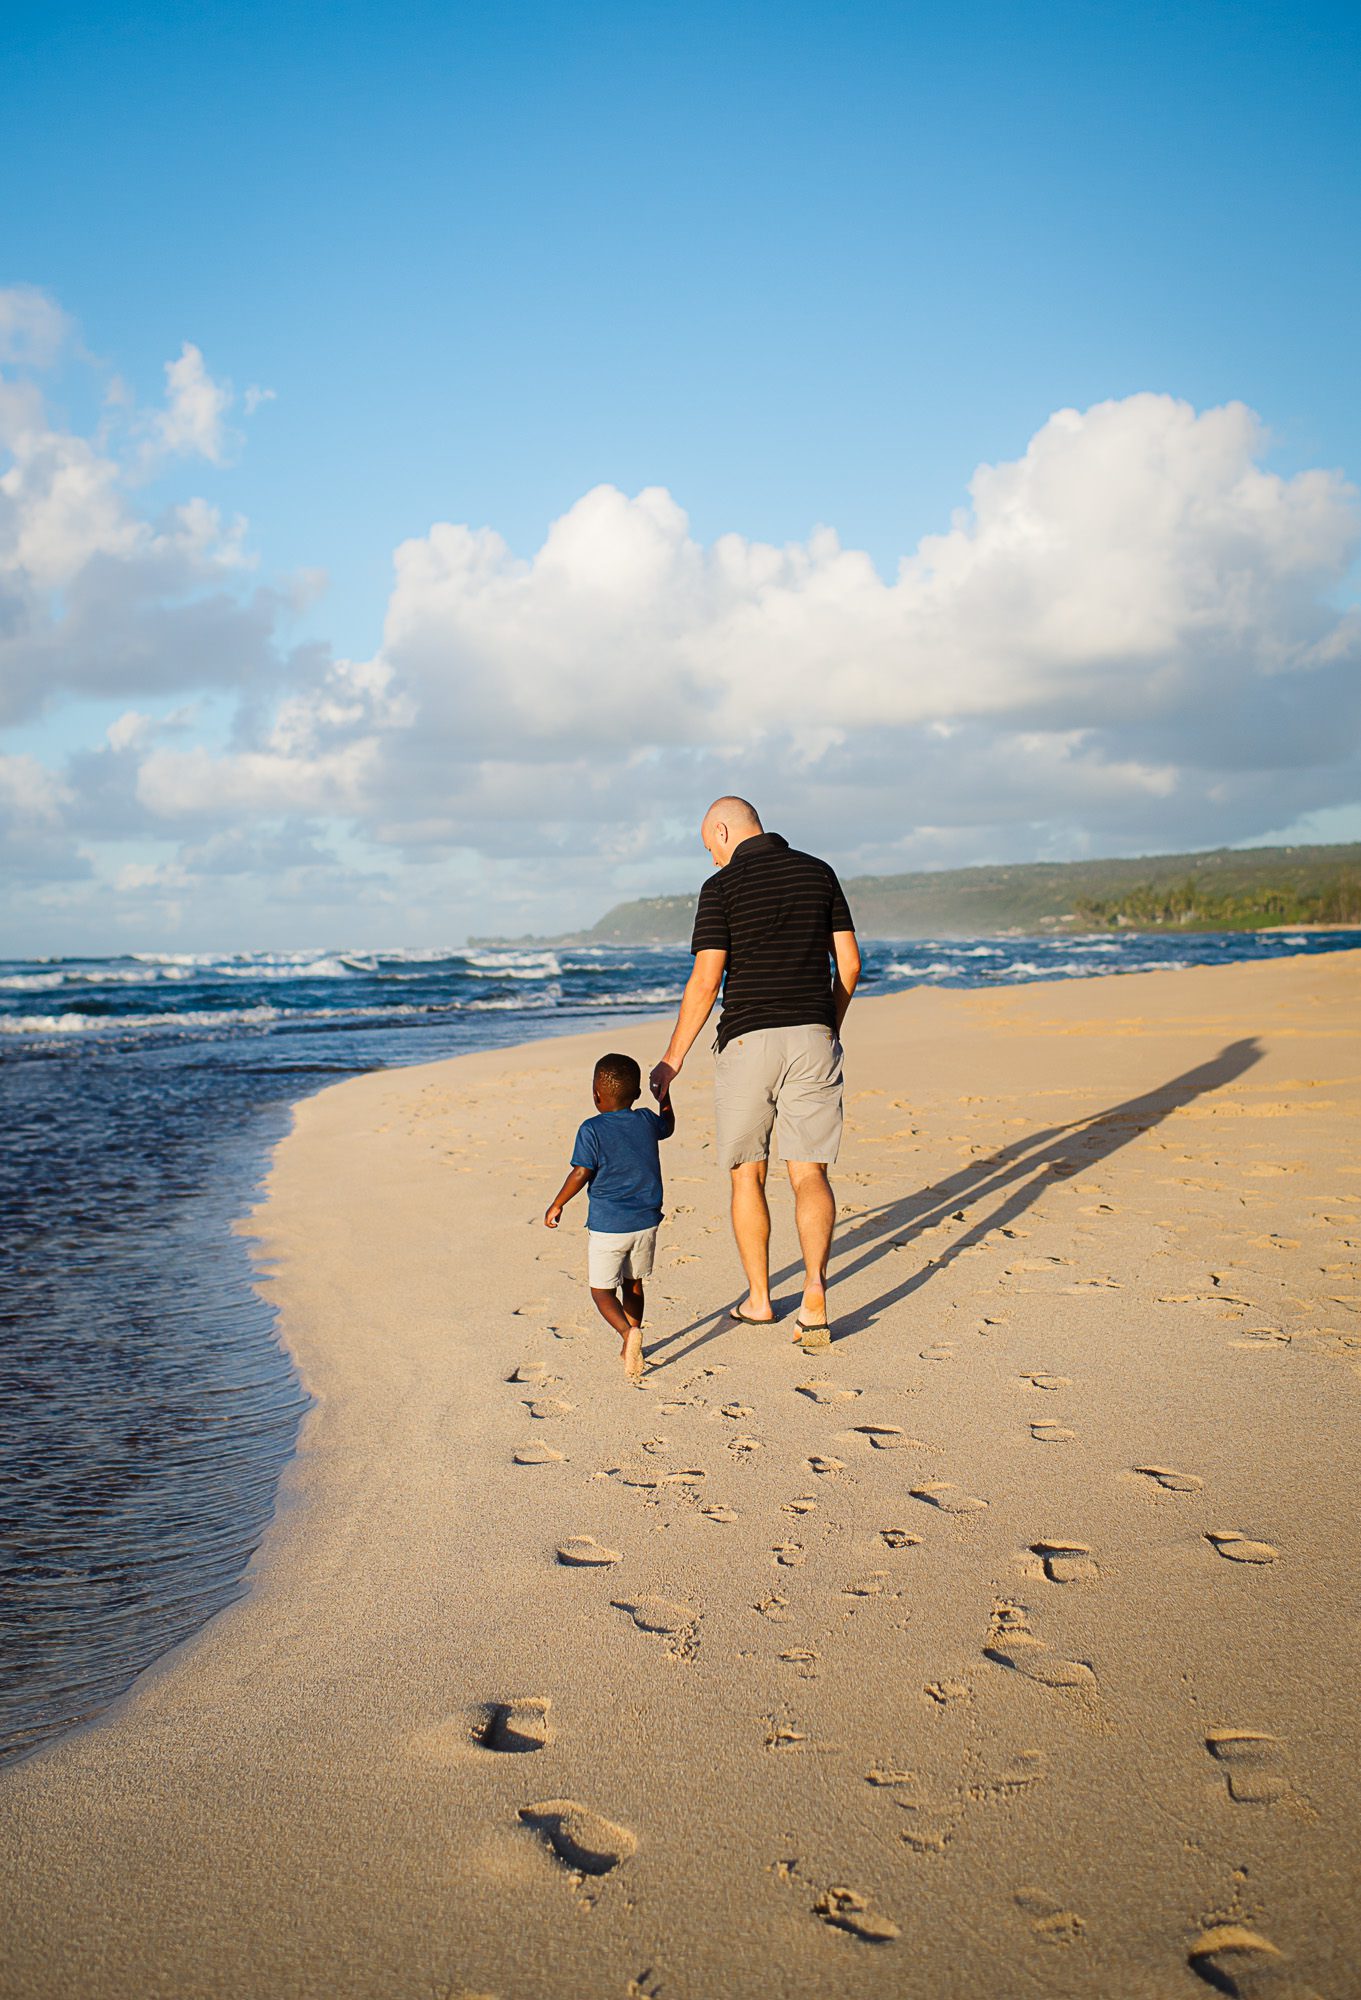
585, 1552
644, 1477
942, 1351
718, 1512
1228, 1542
1066, 1562
802, 1503
549, 1406
1175, 1482
775, 1609
1048, 1433
804, 1658
1050, 1382
1049, 1920
735, 1410
899, 1538
664, 1618
537, 1454
1013, 1644
826, 1392
1249, 1757
949, 1499
1025, 1769
743, 1445
518, 1725
847, 1910
943, 1693
886, 1437
534, 1372
1235, 1960
583, 1841
790, 1555
783, 1735
827, 1468
871, 1585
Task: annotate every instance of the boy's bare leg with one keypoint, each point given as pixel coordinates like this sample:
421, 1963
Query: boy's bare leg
751, 1233
815, 1219
609, 1308
629, 1330
633, 1303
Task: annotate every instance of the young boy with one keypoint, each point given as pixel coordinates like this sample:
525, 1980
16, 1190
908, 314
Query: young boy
616, 1155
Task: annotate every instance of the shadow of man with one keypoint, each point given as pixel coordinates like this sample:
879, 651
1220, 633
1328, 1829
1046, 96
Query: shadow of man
1013, 1177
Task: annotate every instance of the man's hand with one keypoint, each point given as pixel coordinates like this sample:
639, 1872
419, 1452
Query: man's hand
553, 1216
662, 1078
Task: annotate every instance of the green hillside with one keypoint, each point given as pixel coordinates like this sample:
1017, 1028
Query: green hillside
1225, 889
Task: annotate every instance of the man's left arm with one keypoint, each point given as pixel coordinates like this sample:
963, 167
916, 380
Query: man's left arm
846, 952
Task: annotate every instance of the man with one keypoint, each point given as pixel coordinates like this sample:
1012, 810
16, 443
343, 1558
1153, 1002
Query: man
773, 929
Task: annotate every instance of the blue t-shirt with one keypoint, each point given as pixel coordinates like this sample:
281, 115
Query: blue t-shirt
618, 1149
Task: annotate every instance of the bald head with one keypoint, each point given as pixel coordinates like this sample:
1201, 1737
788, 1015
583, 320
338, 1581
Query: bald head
728, 822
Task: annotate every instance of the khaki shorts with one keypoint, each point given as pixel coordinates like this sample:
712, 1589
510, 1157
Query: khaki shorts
788, 1079
612, 1256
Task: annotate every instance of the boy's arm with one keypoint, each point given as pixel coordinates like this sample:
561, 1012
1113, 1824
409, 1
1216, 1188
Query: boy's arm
576, 1180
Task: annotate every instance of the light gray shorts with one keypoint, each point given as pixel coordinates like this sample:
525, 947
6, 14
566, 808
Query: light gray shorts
788, 1079
613, 1255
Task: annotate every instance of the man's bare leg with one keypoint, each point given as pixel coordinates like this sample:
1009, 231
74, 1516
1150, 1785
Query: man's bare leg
751, 1232
815, 1219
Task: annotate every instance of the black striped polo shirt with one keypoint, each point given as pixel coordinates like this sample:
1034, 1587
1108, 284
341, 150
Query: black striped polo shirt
773, 910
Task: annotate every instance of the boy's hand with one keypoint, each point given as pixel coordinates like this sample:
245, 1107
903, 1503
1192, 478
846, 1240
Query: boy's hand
554, 1215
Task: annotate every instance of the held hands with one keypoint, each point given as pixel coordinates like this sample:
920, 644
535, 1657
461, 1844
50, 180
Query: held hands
661, 1079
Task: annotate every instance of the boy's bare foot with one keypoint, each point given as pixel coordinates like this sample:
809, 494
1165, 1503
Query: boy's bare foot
633, 1353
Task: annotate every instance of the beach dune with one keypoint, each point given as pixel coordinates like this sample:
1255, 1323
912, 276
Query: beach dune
1007, 1648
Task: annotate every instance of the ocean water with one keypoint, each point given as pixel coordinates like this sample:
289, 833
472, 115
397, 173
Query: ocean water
146, 1406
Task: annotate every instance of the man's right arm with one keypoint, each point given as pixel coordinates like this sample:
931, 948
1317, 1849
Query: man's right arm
697, 1003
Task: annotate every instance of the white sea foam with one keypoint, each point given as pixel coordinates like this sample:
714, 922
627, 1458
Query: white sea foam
114, 975
541, 1003
90, 1024
515, 964
311, 968
33, 982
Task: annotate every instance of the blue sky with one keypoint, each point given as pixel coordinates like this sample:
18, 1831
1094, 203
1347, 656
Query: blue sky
796, 266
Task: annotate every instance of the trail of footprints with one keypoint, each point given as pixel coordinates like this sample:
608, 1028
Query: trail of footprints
1250, 1760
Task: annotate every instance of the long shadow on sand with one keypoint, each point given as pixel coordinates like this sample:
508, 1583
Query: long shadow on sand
1011, 1179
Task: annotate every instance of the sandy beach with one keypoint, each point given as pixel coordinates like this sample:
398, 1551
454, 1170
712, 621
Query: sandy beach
1007, 1648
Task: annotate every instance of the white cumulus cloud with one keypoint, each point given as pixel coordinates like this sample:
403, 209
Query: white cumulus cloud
1133, 636
193, 421
33, 327
1131, 633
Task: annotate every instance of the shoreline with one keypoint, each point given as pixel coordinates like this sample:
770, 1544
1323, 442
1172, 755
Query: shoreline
310, 1754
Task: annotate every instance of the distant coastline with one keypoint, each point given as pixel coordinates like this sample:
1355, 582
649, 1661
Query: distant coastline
1221, 889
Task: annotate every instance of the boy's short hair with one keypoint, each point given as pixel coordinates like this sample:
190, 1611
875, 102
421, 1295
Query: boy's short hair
621, 1073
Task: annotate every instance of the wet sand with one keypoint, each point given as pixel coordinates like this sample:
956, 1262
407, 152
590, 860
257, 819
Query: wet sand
1007, 1648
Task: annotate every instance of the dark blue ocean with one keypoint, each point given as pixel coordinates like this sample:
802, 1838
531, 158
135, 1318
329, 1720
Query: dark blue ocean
146, 1407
